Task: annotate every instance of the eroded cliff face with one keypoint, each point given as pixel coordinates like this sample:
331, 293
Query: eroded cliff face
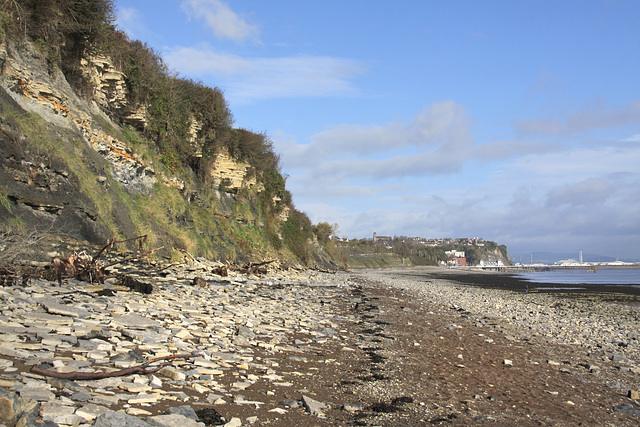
37, 188
230, 174
52, 99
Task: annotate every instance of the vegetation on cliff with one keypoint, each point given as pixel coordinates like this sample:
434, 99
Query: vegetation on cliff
172, 128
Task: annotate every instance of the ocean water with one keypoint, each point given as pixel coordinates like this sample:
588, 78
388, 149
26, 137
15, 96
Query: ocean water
604, 276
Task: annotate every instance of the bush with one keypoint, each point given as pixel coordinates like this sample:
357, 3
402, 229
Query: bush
17, 243
296, 233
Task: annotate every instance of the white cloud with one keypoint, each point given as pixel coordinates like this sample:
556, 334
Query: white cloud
596, 116
591, 191
444, 123
435, 141
526, 221
202, 61
498, 150
246, 79
571, 164
220, 19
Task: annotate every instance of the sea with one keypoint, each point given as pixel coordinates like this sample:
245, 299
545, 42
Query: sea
571, 277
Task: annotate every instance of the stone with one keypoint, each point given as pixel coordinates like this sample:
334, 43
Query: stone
145, 336
54, 307
246, 332
137, 412
59, 414
352, 407
185, 410
155, 382
234, 422
241, 341
39, 395
619, 358
313, 406
172, 373
91, 411
633, 394
8, 408
290, 403
118, 419
183, 334
173, 420
627, 408
135, 388
136, 321
143, 398
13, 352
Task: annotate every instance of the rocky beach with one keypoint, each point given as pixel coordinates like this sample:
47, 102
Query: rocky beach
370, 347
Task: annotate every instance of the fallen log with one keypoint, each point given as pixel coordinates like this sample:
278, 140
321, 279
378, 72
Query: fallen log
139, 369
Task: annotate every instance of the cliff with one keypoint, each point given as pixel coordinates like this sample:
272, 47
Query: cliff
93, 147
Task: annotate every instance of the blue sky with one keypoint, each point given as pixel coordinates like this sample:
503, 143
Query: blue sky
515, 121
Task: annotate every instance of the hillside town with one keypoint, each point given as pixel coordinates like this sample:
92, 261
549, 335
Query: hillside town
444, 252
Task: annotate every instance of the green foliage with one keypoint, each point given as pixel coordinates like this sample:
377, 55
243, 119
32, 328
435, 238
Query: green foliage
296, 233
4, 200
323, 231
66, 28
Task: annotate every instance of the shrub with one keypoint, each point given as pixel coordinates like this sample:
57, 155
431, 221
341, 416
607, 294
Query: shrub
296, 233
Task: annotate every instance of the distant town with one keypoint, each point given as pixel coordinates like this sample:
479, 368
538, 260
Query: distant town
462, 252
446, 252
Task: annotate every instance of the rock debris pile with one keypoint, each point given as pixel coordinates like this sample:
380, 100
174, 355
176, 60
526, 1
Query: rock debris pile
222, 334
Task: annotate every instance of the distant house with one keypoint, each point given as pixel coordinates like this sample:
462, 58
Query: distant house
377, 238
455, 254
491, 263
457, 262
461, 262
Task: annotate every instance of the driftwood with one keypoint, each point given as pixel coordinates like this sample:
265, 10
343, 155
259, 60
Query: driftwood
254, 268
135, 285
199, 281
83, 266
221, 271
139, 369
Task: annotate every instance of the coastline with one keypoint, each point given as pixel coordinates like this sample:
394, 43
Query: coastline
510, 281
591, 322
366, 348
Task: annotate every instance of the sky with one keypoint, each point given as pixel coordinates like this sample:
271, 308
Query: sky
513, 121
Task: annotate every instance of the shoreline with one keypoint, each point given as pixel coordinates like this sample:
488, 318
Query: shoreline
370, 348
487, 356
512, 282
591, 323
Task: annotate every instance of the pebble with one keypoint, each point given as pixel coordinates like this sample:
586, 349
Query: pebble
72, 327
